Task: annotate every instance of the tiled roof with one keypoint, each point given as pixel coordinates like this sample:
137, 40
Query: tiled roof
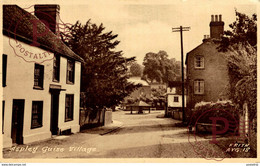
17, 23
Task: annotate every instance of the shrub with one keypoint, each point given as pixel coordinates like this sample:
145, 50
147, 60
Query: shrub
204, 110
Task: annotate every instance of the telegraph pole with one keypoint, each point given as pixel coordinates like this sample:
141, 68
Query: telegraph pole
181, 29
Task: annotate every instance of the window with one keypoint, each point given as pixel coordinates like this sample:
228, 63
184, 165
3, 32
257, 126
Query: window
4, 67
199, 87
38, 76
69, 107
176, 99
56, 68
70, 71
36, 114
3, 116
199, 62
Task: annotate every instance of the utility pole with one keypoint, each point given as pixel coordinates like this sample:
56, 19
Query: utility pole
181, 29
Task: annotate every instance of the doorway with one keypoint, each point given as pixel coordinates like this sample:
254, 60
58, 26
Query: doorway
54, 111
17, 121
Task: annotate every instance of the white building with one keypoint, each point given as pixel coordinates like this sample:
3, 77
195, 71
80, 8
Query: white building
174, 100
41, 83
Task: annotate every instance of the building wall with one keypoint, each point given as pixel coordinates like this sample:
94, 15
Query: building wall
19, 85
214, 74
171, 103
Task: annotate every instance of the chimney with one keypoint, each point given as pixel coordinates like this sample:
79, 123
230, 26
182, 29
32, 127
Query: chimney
216, 27
48, 14
206, 37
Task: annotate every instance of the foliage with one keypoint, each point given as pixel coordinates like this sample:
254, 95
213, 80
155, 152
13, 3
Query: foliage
244, 31
136, 70
158, 93
157, 67
104, 78
242, 70
240, 45
204, 110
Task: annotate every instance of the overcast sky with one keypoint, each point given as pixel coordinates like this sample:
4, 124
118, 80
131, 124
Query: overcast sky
147, 27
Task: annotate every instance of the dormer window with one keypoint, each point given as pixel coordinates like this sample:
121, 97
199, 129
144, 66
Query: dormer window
199, 62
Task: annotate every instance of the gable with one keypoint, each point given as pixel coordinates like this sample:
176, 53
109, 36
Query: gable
18, 24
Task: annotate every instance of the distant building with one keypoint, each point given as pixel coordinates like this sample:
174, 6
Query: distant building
156, 85
207, 70
40, 98
174, 100
144, 90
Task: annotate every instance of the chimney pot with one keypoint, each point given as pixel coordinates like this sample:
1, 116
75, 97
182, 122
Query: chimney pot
216, 18
220, 18
216, 27
212, 18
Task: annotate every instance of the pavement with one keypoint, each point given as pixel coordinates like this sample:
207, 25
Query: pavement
103, 130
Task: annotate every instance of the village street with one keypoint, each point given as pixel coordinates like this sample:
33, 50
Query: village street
138, 136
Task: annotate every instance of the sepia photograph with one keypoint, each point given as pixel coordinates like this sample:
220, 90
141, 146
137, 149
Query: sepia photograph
129, 79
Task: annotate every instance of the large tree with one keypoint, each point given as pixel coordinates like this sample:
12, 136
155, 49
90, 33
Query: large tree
240, 45
157, 67
104, 72
136, 70
243, 31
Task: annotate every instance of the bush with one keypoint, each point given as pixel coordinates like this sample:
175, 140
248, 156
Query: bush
204, 110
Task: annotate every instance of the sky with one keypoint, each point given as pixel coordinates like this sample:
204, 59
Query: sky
146, 26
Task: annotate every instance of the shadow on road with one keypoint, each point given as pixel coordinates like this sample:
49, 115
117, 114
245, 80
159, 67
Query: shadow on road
146, 128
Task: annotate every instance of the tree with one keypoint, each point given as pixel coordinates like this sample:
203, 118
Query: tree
104, 72
240, 45
243, 30
157, 67
136, 70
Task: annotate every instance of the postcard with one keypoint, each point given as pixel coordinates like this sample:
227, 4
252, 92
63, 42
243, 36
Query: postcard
129, 81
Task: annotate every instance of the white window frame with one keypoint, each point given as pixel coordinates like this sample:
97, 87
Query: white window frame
199, 64
199, 87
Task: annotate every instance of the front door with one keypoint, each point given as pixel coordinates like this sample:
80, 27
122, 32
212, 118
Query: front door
54, 112
17, 121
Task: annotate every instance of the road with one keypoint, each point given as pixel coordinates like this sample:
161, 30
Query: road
141, 136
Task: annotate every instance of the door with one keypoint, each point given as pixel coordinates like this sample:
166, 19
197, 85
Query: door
54, 112
17, 121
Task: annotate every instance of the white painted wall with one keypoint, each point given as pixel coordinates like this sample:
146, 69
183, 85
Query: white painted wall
171, 102
19, 85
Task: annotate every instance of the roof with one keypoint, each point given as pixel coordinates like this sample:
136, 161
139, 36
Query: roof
17, 23
141, 104
207, 41
176, 83
192, 51
137, 80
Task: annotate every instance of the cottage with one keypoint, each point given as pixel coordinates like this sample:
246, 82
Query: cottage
174, 100
207, 71
41, 77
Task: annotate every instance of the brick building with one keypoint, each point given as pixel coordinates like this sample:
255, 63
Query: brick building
207, 71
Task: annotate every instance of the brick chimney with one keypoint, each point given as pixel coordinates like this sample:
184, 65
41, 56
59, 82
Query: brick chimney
49, 14
216, 26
